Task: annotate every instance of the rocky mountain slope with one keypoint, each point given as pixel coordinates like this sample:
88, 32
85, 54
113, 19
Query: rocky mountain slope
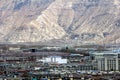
83, 21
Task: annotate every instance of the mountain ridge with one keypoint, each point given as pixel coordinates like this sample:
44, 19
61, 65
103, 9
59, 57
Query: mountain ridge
86, 21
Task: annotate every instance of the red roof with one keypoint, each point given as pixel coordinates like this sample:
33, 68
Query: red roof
12, 60
1, 60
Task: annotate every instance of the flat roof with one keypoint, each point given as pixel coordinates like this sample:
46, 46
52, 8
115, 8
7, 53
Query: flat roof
105, 52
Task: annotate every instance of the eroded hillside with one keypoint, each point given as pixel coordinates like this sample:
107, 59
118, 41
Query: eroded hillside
86, 21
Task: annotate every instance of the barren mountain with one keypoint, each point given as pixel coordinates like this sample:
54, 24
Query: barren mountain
83, 21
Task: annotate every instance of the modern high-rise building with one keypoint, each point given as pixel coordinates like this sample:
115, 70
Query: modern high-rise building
107, 61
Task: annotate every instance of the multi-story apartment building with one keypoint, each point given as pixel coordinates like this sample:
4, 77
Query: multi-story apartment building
107, 61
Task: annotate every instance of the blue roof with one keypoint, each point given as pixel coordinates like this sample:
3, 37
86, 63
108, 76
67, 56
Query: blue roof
116, 51
34, 79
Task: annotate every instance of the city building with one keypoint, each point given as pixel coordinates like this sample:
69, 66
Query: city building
106, 61
54, 59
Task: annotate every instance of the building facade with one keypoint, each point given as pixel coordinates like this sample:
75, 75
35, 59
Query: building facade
107, 61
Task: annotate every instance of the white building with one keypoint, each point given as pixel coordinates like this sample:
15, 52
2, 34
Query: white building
54, 59
107, 61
